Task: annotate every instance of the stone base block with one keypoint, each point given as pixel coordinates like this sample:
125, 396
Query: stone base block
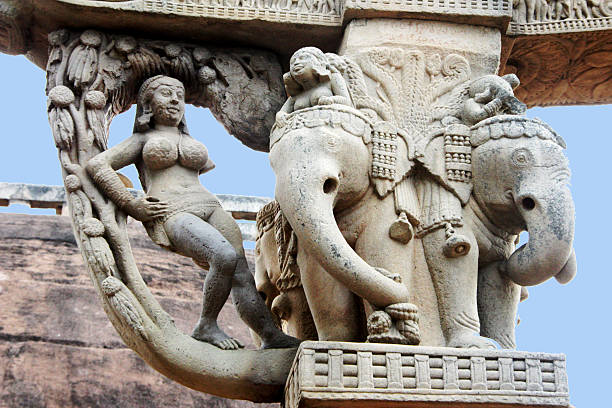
334, 374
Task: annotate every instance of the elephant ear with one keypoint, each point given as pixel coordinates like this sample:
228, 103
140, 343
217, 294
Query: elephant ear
390, 157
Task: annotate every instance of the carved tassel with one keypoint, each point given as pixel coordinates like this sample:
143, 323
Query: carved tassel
95, 101
115, 290
62, 124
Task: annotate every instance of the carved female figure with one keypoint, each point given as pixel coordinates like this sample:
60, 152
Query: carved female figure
312, 82
180, 214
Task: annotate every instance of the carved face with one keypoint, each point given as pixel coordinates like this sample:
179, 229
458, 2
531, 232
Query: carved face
168, 103
303, 67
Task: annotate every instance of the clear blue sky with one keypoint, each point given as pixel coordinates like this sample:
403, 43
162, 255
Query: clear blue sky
573, 319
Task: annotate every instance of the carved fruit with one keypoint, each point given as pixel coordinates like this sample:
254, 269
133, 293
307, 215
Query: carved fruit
121, 303
173, 50
58, 37
207, 75
91, 38
93, 227
72, 183
61, 96
379, 322
126, 45
95, 100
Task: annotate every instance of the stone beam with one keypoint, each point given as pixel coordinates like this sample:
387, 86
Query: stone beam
42, 196
576, 38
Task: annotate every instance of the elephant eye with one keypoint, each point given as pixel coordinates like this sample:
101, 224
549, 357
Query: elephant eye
522, 157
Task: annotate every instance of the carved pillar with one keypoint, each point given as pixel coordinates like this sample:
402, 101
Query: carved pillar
415, 73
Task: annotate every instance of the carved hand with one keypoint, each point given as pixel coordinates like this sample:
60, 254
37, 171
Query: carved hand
146, 209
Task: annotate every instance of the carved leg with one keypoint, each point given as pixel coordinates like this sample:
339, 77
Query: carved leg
455, 281
336, 311
498, 299
249, 304
199, 240
396, 259
292, 307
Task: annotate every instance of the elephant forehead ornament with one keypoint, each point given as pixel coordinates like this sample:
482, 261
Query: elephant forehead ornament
361, 190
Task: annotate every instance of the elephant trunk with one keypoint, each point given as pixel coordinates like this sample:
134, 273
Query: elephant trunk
550, 223
306, 193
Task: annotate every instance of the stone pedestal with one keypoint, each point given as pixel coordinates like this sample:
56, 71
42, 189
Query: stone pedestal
332, 374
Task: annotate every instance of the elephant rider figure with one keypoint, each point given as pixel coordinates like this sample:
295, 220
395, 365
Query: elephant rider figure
312, 81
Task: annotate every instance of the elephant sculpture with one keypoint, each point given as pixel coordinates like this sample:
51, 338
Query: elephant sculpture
520, 184
330, 161
277, 273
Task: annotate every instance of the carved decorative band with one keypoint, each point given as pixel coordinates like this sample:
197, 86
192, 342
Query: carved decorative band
559, 27
469, 7
289, 11
335, 116
349, 371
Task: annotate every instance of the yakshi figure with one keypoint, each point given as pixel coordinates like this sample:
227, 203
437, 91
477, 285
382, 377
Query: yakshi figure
181, 215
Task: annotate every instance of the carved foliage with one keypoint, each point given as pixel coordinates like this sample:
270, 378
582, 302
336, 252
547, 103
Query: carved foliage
241, 87
408, 82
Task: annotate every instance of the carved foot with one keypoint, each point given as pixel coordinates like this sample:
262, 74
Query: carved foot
470, 340
211, 333
398, 324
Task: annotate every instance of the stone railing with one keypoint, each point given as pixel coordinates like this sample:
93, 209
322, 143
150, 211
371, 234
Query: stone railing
332, 373
243, 208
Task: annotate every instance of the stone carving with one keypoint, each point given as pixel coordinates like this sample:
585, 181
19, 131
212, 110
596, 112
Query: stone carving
563, 70
277, 274
14, 19
178, 213
319, 12
241, 87
428, 135
559, 16
335, 373
312, 81
88, 83
487, 11
197, 6
530, 11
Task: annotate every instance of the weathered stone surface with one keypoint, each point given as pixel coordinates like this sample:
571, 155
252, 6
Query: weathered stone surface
58, 348
330, 374
413, 149
283, 27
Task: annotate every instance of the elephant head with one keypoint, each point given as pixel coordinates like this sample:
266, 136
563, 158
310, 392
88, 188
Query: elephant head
521, 184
